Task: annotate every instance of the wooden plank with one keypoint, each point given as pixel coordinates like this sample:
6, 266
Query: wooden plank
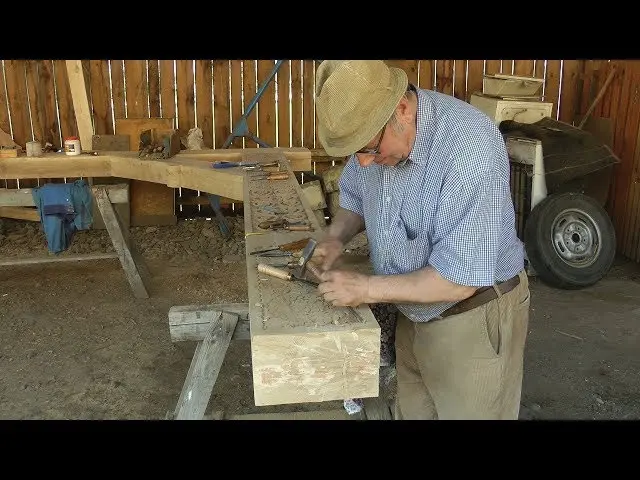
23, 197
303, 349
120, 238
192, 322
444, 76
221, 102
426, 70
474, 77
17, 96
409, 66
249, 87
56, 258
153, 80
35, 103
552, 85
101, 98
135, 72
5, 124
20, 213
65, 102
459, 79
492, 67
46, 88
167, 90
205, 367
284, 127
236, 100
80, 102
184, 86
204, 101
523, 68
267, 104
308, 103
117, 90
570, 90
296, 103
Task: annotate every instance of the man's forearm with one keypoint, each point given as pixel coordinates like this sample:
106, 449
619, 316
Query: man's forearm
422, 286
345, 225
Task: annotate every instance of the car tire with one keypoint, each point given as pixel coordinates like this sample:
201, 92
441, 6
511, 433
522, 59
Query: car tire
570, 240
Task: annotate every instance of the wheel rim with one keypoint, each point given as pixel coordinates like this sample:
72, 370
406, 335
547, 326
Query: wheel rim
576, 238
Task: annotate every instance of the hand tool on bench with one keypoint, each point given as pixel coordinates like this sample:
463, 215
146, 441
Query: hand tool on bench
271, 176
246, 165
284, 224
285, 247
300, 270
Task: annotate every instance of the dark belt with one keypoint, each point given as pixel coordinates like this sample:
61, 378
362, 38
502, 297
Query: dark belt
483, 295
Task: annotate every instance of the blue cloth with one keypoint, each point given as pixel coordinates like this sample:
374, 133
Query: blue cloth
448, 205
64, 209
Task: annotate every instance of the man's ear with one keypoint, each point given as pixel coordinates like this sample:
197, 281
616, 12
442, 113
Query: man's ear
403, 110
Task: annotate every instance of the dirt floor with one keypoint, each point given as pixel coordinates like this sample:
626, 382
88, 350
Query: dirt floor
77, 345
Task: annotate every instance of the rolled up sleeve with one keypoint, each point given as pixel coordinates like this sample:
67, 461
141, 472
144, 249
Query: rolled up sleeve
350, 187
468, 229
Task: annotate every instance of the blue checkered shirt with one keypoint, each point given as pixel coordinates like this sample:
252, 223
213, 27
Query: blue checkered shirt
448, 205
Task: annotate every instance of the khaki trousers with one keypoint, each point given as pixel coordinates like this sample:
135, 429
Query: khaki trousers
466, 366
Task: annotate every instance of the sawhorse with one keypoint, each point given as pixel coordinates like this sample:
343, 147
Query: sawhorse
213, 327
125, 251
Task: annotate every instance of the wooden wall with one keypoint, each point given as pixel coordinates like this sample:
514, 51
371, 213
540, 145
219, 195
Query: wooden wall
35, 104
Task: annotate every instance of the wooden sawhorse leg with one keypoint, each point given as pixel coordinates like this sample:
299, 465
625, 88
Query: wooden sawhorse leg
129, 258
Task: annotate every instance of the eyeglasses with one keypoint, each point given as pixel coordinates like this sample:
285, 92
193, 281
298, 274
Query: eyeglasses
376, 150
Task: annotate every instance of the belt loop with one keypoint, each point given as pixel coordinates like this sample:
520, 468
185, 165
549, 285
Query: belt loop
497, 290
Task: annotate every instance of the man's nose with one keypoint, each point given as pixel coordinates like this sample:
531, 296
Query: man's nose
365, 159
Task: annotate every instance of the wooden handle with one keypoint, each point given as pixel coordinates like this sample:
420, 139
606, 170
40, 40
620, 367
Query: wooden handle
299, 228
273, 271
314, 270
278, 176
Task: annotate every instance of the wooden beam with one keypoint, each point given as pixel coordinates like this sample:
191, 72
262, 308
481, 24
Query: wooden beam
192, 322
190, 170
57, 258
20, 213
23, 197
80, 103
302, 348
205, 367
121, 243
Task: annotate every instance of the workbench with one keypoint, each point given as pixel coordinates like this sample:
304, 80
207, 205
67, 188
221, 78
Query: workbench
302, 349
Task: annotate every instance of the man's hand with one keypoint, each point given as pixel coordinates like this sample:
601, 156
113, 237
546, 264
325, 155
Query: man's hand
327, 252
344, 289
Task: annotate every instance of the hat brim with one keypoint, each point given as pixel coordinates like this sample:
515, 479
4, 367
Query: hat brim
343, 147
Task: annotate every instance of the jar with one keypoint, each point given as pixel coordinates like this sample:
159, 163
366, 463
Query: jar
72, 146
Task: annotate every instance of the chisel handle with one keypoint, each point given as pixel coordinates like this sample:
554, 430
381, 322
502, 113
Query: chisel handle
273, 271
299, 228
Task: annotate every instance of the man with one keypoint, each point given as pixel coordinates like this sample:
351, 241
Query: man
428, 179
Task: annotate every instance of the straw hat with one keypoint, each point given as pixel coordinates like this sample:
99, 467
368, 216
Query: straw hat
354, 100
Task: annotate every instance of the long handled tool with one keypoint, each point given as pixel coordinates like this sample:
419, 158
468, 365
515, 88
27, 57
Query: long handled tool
299, 271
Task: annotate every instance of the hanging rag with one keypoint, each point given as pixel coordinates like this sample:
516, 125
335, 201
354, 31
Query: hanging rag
64, 209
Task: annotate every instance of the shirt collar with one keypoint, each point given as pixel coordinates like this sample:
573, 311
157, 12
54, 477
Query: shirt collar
424, 127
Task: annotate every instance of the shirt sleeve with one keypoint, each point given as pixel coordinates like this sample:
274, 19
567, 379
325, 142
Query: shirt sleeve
468, 229
351, 187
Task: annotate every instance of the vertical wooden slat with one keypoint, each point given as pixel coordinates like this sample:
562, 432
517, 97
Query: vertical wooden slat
296, 102
459, 79
167, 90
284, 119
444, 76
308, 139
117, 89
236, 98
474, 77
184, 86
620, 185
507, 67
18, 105
492, 67
267, 104
47, 94
605, 103
5, 123
552, 85
35, 102
136, 88
523, 68
249, 86
221, 101
204, 101
624, 190
409, 66
539, 69
100, 94
570, 90
65, 102
613, 96
153, 76
425, 72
